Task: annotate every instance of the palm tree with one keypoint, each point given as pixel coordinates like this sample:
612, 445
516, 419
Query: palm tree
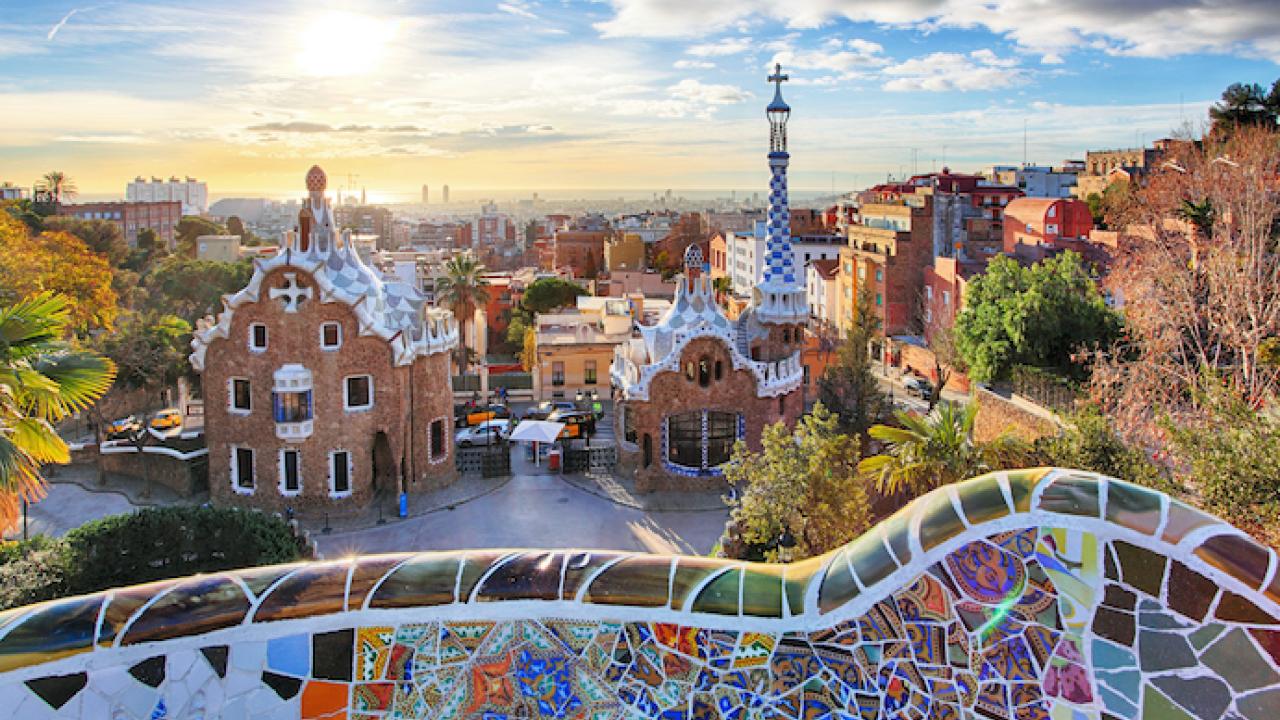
462, 290
937, 449
59, 184
42, 381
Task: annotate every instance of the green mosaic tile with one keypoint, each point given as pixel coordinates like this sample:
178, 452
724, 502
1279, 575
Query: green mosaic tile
259, 579
1140, 568
796, 580
1182, 520
1264, 705
982, 499
367, 572
199, 605
762, 590
121, 606
720, 596
897, 530
940, 521
642, 580
581, 566
53, 630
1239, 557
1236, 659
530, 576
1133, 507
690, 574
1021, 485
427, 579
1156, 706
837, 586
870, 559
313, 590
1071, 495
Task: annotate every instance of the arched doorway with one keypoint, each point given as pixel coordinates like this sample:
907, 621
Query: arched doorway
384, 465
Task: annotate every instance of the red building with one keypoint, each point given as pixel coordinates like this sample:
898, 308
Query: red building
132, 217
580, 250
1036, 225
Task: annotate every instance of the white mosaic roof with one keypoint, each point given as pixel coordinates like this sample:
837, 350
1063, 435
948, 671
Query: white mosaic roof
393, 311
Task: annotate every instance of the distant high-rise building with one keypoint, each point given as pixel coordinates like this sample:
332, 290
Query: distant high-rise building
445, 191
193, 194
426, 195
362, 197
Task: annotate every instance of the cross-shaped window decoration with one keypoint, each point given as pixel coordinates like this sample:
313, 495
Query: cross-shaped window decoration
291, 294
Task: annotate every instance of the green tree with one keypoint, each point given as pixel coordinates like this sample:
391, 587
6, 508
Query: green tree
547, 294
806, 482
235, 226
149, 350
849, 386
1245, 104
516, 330
192, 289
1038, 316
923, 453
529, 350
1089, 442
191, 227
57, 182
42, 381
463, 289
101, 236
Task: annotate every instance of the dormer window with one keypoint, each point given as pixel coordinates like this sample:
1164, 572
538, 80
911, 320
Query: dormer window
258, 337
330, 336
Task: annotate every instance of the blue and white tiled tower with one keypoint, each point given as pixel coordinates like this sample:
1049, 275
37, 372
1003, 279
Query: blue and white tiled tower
780, 296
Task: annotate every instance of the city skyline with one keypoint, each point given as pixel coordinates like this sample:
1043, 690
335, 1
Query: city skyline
630, 95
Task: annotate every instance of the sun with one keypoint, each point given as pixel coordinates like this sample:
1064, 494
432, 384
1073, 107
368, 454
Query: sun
338, 44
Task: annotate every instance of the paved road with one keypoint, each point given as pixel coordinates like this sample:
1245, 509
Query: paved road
538, 511
68, 506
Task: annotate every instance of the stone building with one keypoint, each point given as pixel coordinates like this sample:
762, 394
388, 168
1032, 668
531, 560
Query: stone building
696, 382
325, 386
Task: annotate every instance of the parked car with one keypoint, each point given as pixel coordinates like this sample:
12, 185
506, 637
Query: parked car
544, 409
124, 427
484, 413
577, 423
166, 419
489, 432
918, 386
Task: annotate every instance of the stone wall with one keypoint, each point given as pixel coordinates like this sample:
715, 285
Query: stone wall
185, 477
1030, 594
999, 413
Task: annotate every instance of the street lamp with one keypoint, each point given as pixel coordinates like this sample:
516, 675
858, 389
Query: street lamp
786, 546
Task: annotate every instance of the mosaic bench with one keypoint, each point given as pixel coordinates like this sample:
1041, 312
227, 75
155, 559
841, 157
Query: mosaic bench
1033, 594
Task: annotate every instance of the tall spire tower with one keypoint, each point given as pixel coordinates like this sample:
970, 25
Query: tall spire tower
780, 297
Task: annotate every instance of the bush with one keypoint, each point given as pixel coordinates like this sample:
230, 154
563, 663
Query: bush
144, 546
1089, 442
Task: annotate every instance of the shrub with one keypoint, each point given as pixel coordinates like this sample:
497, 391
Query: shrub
158, 543
1089, 442
143, 546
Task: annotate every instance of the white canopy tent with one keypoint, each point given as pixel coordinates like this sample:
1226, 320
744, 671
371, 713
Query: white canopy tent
536, 431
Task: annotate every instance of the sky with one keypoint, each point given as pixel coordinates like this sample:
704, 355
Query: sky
626, 94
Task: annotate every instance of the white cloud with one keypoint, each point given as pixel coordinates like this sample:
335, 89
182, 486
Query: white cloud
726, 46
516, 7
1151, 28
710, 94
693, 65
849, 58
947, 71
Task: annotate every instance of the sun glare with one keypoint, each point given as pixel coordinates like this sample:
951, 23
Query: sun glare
341, 44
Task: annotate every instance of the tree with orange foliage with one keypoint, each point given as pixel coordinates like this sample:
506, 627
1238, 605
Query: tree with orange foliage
57, 262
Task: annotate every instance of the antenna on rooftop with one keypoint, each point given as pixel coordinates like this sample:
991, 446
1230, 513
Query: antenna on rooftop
1024, 142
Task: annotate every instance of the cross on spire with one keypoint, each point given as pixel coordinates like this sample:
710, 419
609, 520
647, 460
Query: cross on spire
777, 77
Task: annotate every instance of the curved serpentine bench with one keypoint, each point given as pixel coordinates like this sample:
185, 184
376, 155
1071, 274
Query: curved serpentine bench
1032, 594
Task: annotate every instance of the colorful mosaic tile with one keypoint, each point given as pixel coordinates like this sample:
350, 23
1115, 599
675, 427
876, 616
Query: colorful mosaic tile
1085, 611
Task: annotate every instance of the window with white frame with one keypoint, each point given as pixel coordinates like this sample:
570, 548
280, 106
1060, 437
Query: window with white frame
946, 298
290, 472
330, 336
242, 479
340, 471
357, 392
240, 398
257, 337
